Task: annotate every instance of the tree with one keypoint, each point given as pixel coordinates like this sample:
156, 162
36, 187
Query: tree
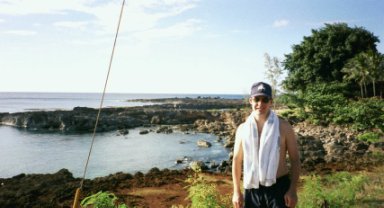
376, 68
365, 67
321, 56
273, 72
357, 69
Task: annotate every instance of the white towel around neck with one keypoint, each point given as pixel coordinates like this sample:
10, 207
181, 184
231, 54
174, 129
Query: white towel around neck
261, 163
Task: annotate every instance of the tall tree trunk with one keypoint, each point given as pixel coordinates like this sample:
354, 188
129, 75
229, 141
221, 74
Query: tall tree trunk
361, 90
365, 89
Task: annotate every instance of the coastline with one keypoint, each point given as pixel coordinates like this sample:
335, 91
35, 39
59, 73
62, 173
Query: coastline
322, 149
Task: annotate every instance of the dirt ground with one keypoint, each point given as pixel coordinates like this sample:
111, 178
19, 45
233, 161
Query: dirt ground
171, 194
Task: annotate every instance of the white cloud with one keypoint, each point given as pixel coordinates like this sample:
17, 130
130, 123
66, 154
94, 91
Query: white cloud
72, 25
280, 23
25, 7
178, 30
1, 20
138, 15
20, 32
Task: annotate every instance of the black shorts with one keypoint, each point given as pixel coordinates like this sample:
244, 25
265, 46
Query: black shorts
268, 197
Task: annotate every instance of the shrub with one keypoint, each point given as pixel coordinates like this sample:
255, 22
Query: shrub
336, 190
369, 137
326, 103
204, 193
102, 200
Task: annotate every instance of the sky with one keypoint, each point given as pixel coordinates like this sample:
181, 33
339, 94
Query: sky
164, 46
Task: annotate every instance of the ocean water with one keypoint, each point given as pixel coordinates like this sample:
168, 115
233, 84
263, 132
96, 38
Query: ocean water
32, 101
28, 152
25, 152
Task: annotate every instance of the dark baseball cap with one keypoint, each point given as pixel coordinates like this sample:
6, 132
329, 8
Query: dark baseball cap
261, 89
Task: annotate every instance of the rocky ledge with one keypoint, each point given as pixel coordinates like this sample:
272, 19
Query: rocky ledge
58, 189
81, 120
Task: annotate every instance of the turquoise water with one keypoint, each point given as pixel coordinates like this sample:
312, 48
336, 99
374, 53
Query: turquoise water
24, 152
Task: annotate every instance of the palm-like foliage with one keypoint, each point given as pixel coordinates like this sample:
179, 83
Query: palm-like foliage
376, 68
365, 67
357, 69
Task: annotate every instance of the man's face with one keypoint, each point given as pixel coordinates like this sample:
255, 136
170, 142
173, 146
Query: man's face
260, 104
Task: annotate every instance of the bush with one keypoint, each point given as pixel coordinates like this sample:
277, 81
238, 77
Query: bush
326, 103
369, 137
336, 190
203, 194
102, 200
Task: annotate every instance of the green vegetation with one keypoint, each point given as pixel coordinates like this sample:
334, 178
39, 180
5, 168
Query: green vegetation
102, 200
204, 194
336, 75
365, 67
336, 190
369, 137
326, 104
319, 58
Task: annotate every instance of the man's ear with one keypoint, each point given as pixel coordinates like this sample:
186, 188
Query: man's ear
250, 100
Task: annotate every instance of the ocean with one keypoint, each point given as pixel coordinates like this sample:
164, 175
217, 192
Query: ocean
32, 101
28, 152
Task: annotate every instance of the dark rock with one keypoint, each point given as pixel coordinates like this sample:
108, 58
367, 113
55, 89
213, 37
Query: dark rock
144, 131
122, 132
164, 129
229, 144
197, 166
155, 120
179, 161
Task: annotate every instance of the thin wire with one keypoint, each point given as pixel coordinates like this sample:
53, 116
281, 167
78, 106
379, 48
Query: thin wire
102, 98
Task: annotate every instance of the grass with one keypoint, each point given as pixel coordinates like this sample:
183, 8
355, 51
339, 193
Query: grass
373, 194
343, 189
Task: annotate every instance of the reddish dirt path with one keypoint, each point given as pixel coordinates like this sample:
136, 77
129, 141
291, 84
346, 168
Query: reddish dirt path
170, 194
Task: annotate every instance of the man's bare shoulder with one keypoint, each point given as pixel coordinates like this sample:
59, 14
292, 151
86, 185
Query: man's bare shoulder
285, 126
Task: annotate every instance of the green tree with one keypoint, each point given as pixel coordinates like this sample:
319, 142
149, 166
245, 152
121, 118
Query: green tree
365, 67
321, 56
376, 68
357, 69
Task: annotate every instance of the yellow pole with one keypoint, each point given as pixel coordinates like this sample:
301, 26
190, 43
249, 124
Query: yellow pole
76, 203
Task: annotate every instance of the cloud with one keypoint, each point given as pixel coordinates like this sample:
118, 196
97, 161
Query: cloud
25, 7
280, 23
79, 25
1, 20
178, 30
20, 32
138, 15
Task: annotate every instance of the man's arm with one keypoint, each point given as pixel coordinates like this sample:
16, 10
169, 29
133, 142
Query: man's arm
237, 160
294, 157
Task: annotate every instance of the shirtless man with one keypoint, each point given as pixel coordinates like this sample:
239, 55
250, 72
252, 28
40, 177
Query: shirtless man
282, 193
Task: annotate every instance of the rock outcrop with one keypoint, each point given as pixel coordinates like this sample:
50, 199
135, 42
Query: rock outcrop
82, 120
58, 189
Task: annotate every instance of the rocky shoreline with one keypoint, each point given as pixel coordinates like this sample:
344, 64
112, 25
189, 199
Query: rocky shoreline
322, 149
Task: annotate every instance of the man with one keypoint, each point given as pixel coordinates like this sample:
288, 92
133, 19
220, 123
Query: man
261, 145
